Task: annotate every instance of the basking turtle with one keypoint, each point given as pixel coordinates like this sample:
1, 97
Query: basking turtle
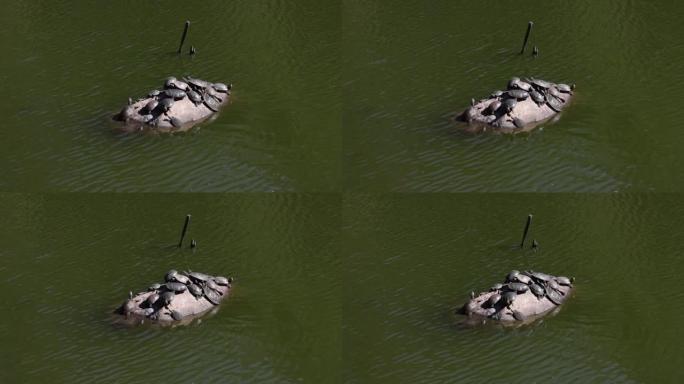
211, 284
209, 91
170, 275
517, 287
183, 86
211, 295
212, 104
554, 103
154, 93
176, 287
562, 280
497, 94
518, 122
539, 276
154, 287
149, 107
496, 287
518, 94
220, 280
512, 275
169, 82
176, 315
537, 290
198, 277
493, 107
195, 97
180, 278
523, 85
537, 97
553, 285
508, 105
493, 300
513, 83
151, 299
220, 87
541, 84
197, 83
174, 93
520, 278
518, 315
564, 88
554, 296
176, 122
166, 104
508, 297
195, 290
167, 297
555, 93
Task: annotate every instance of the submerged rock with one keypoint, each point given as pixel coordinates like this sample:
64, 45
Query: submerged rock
525, 104
180, 105
184, 297
522, 298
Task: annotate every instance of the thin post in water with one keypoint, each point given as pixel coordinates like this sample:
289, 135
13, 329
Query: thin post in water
185, 229
527, 228
527, 36
185, 33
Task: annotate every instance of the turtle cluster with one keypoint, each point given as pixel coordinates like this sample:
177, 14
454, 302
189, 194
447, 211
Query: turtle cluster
542, 92
198, 91
541, 285
200, 285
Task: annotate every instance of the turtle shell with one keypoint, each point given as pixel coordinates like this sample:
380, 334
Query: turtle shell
496, 287
493, 299
512, 275
564, 88
195, 289
154, 93
174, 93
198, 276
151, 105
211, 295
562, 280
166, 104
537, 97
212, 104
176, 287
167, 297
220, 280
523, 86
554, 296
194, 97
170, 274
176, 315
211, 284
220, 87
496, 94
508, 297
518, 122
523, 279
493, 107
154, 287
541, 83
554, 103
151, 299
197, 83
518, 315
518, 287
181, 278
509, 104
518, 94
537, 289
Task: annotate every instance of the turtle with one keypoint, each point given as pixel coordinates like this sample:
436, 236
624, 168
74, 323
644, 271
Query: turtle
518, 122
508, 297
220, 87
170, 275
518, 315
194, 97
148, 311
517, 94
154, 93
220, 280
176, 315
555, 93
147, 118
180, 278
517, 287
196, 83
154, 287
493, 107
176, 122
198, 276
169, 82
211, 284
176, 287
562, 280
166, 104
554, 296
523, 85
149, 107
167, 297
553, 284
512, 275
211, 295
554, 103
183, 86
174, 93
520, 278
496, 94
541, 84
151, 299
195, 290
539, 276
508, 105
513, 82
218, 96
493, 299
496, 287
212, 104
537, 290
564, 88
537, 97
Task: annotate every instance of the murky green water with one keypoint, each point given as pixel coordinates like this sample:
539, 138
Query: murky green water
69, 66
68, 260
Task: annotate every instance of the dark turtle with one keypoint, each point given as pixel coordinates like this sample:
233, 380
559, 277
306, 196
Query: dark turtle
508, 297
166, 104
493, 107
216, 95
496, 287
167, 297
154, 287
212, 104
518, 122
537, 97
176, 287
541, 84
220, 87
151, 299
517, 287
564, 88
169, 82
195, 290
212, 284
183, 86
195, 97
176, 122
147, 118
508, 105
562, 280
554, 103
211, 295
520, 278
149, 107
180, 278
518, 94
553, 284
513, 82
197, 83
154, 93
220, 280
537, 290
174, 93
170, 275
554, 296
493, 299
539, 276
512, 275
523, 86
497, 94
198, 277
555, 93
176, 315
518, 315
148, 311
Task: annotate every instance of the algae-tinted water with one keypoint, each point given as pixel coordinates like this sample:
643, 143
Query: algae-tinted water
68, 66
69, 260
412, 65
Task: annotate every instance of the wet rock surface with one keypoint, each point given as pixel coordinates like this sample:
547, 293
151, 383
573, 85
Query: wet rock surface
182, 297
524, 104
177, 106
523, 297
